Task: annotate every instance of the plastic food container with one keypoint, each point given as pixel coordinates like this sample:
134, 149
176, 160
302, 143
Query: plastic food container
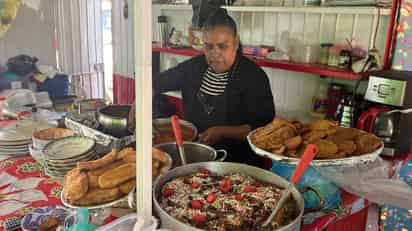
126, 223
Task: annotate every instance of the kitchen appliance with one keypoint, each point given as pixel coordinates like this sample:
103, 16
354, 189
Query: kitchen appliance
393, 91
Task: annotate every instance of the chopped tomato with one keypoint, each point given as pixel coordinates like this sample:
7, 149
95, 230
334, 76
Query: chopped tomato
227, 182
196, 204
239, 197
223, 188
204, 171
195, 184
249, 189
167, 192
199, 219
211, 198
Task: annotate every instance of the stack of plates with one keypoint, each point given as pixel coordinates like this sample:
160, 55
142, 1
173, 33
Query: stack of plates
14, 139
61, 156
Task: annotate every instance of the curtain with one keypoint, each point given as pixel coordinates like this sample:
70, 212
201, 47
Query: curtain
79, 43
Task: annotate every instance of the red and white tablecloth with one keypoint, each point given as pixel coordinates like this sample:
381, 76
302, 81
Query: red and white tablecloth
24, 186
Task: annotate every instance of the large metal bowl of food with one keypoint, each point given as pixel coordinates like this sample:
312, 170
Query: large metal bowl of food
163, 131
114, 119
224, 196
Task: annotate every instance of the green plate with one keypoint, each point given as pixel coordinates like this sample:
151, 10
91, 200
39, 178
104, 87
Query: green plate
69, 148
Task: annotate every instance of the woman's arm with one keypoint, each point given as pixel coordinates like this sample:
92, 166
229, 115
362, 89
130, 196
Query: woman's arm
173, 79
217, 133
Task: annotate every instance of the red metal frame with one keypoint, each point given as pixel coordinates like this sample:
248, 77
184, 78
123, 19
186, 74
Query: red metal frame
390, 35
315, 69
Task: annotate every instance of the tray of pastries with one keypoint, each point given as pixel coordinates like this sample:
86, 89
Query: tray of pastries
107, 181
285, 140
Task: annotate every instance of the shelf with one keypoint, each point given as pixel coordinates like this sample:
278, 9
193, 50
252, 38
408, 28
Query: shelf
315, 69
368, 10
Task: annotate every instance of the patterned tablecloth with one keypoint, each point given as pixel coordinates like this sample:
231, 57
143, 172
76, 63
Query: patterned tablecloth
24, 186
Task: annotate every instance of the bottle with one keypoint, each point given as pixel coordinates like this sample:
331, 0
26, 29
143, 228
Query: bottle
320, 100
163, 31
339, 110
324, 53
347, 118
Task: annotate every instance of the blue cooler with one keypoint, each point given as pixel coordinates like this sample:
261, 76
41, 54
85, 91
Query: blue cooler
318, 192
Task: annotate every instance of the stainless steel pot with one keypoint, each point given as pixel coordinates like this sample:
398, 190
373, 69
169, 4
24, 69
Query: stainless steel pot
195, 153
114, 119
171, 223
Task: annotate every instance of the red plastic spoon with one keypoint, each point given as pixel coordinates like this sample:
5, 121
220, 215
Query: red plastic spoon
178, 136
310, 152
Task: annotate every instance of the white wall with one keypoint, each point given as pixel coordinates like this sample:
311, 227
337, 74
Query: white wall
123, 57
31, 33
292, 91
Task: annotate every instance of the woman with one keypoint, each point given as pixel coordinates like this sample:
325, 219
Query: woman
225, 95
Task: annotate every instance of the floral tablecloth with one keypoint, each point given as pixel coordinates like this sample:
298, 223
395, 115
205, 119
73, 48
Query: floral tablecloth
24, 186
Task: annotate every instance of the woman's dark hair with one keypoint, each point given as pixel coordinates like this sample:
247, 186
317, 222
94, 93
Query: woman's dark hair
220, 17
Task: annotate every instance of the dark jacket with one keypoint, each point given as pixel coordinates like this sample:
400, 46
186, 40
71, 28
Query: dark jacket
247, 99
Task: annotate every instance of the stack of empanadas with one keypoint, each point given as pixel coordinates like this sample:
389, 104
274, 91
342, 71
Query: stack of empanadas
290, 137
106, 179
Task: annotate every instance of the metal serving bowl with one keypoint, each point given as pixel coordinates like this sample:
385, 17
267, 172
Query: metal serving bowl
222, 168
114, 119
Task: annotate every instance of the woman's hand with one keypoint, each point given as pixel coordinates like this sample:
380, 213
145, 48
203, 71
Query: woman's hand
212, 135
215, 134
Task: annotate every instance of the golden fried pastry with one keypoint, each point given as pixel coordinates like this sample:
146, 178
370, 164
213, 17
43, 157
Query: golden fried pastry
99, 196
348, 133
285, 132
117, 176
94, 164
76, 184
314, 136
279, 122
367, 143
93, 180
100, 171
346, 147
322, 124
53, 133
49, 224
293, 143
159, 155
326, 149
127, 155
126, 187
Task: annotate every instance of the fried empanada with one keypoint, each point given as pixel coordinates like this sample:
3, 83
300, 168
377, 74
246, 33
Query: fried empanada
95, 164
346, 147
117, 176
326, 149
322, 124
75, 184
99, 196
100, 171
293, 143
367, 143
126, 187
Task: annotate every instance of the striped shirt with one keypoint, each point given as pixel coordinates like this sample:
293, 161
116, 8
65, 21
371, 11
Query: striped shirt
214, 84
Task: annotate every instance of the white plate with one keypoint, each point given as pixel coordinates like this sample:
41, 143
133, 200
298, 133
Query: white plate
68, 148
21, 131
348, 161
105, 205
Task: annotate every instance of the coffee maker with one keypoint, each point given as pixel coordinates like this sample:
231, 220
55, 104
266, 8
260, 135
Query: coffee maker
392, 90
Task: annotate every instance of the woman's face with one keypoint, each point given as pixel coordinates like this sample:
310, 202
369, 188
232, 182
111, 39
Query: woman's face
220, 46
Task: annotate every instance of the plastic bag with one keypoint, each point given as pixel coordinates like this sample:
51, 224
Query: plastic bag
371, 181
323, 194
